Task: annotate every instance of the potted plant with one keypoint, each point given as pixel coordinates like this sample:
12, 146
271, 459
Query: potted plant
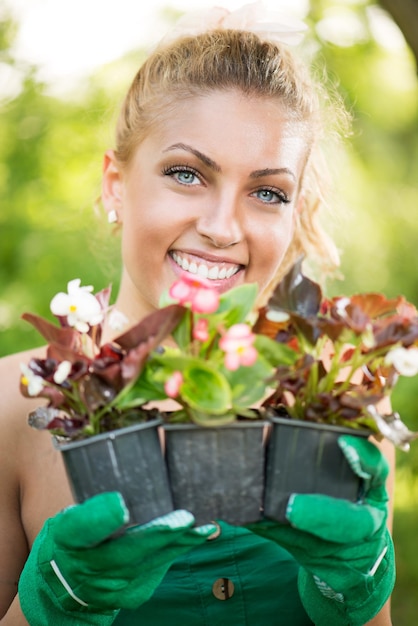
217, 372
350, 352
309, 364
108, 442
216, 369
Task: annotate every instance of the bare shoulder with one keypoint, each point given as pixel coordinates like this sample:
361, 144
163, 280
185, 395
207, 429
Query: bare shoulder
14, 407
12, 400
32, 477
29, 463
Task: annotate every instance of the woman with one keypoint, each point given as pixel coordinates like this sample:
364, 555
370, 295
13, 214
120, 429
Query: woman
216, 172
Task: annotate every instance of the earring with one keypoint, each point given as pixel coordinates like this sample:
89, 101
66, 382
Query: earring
112, 217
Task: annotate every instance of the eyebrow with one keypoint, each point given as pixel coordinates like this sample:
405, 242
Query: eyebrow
217, 168
202, 157
271, 171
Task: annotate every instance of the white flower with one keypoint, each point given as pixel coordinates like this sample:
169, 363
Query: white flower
341, 306
62, 371
117, 320
368, 337
79, 306
273, 315
405, 361
32, 381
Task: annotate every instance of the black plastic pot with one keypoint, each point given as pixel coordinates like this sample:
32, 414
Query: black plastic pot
304, 457
128, 460
217, 472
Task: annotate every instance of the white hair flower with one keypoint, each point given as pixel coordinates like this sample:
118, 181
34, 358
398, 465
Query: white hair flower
254, 17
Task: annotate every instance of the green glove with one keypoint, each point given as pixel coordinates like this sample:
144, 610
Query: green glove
344, 548
77, 573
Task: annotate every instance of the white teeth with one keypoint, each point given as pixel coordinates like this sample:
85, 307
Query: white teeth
203, 271
213, 273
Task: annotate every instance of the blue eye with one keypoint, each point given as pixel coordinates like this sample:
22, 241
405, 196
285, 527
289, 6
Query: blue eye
271, 196
185, 176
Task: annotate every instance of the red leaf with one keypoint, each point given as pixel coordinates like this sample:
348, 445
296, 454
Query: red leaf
156, 325
296, 293
53, 334
375, 304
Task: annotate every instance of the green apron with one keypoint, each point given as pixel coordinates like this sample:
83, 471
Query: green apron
237, 579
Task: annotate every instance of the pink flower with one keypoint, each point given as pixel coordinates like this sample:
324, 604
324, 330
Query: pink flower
200, 330
172, 385
197, 291
237, 344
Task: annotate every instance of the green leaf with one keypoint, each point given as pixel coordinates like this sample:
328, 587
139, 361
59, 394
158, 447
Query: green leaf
274, 352
146, 388
173, 360
205, 389
183, 331
237, 303
248, 384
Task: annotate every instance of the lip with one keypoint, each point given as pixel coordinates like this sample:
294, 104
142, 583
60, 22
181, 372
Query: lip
206, 256
221, 285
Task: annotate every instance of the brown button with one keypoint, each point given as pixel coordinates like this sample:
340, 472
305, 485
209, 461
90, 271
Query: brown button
223, 588
215, 533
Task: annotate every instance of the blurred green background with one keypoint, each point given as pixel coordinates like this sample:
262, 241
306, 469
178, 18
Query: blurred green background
50, 166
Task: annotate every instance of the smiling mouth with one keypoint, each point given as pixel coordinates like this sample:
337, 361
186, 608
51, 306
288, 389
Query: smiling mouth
211, 271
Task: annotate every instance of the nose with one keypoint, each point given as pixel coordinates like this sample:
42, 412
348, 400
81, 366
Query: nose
221, 223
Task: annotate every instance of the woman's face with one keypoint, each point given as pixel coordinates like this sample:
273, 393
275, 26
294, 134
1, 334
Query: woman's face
212, 190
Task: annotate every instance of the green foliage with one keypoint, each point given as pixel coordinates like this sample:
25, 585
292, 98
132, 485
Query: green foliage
404, 604
376, 195
50, 168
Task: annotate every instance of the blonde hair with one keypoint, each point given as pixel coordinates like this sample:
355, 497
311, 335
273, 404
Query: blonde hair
223, 59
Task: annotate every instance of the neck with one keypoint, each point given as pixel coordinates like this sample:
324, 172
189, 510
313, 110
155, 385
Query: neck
130, 303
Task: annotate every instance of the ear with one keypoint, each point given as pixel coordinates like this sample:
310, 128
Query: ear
112, 186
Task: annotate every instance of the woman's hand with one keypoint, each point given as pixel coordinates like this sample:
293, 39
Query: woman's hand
79, 571
344, 549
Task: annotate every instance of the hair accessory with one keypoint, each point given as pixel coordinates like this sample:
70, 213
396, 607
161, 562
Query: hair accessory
254, 17
112, 216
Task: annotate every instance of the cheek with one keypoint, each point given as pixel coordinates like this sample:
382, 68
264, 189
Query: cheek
271, 243
143, 215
